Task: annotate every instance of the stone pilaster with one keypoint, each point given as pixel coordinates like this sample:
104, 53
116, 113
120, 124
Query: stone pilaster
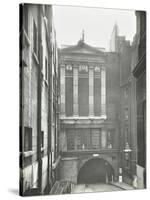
91, 91
75, 91
103, 92
62, 89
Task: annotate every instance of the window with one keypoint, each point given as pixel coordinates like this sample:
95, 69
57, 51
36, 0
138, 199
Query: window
79, 143
110, 134
83, 92
69, 90
97, 92
42, 139
70, 140
26, 18
126, 134
96, 138
42, 58
126, 92
83, 139
35, 38
46, 69
28, 139
126, 113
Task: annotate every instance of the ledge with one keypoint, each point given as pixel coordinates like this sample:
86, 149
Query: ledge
69, 158
80, 119
98, 151
28, 153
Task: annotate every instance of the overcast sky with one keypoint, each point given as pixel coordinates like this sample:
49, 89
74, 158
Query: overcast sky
97, 23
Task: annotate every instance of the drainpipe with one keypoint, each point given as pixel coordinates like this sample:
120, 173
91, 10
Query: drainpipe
39, 104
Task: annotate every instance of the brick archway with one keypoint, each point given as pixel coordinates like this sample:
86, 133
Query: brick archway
95, 170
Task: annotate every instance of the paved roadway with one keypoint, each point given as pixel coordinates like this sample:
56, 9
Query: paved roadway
99, 187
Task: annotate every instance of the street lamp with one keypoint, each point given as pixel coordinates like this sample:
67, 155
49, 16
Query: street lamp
127, 152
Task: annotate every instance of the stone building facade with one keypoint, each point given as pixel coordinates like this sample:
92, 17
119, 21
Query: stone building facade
128, 142
133, 101
39, 97
139, 73
89, 136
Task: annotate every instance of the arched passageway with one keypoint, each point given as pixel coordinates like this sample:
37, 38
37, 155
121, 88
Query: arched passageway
95, 170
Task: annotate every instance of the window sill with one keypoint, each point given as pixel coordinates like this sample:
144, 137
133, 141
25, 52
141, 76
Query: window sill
35, 58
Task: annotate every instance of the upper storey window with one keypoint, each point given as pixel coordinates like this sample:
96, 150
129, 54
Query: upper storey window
126, 113
83, 90
126, 92
97, 91
26, 19
69, 90
35, 38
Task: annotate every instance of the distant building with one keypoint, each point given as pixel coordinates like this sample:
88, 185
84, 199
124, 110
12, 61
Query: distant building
90, 104
133, 101
39, 97
128, 126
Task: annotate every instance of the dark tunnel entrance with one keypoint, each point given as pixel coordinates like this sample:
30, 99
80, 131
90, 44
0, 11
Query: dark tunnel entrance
95, 170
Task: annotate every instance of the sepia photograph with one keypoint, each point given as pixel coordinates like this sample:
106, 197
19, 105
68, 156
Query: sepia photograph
82, 78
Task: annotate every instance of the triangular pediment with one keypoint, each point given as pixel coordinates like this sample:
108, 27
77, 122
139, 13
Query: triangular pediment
82, 48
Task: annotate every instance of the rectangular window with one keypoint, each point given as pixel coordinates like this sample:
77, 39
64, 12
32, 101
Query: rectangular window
42, 139
46, 69
69, 91
83, 136
83, 139
70, 140
83, 90
27, 139
25, 18
96, 138
35, 38
79, 141
97, 93
126, 134
126, 113
110, 135
126, 92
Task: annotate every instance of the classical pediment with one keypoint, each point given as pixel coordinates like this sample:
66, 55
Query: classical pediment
82, 48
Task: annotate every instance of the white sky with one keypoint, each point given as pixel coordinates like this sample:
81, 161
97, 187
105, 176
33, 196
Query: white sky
97, 23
